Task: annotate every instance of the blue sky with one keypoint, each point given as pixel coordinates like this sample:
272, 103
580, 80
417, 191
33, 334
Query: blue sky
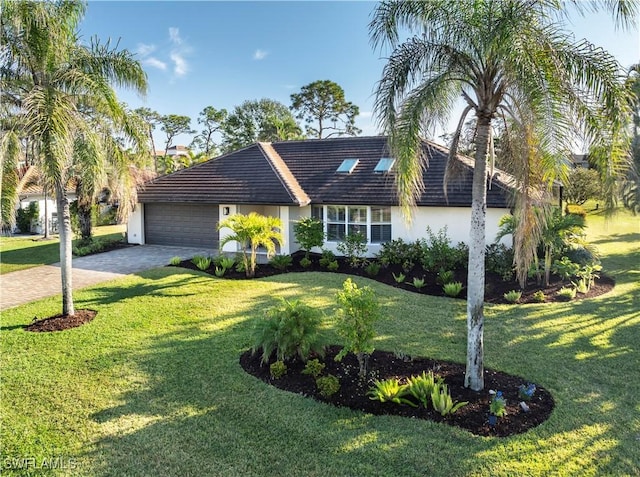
210, 53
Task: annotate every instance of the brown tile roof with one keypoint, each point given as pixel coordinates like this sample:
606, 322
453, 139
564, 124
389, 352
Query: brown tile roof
293, 172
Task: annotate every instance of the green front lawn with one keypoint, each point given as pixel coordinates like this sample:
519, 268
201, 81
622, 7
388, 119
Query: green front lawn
153, 386
28, 251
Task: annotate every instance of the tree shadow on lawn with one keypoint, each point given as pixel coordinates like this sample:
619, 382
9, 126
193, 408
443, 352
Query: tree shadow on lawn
199, 413
590, 363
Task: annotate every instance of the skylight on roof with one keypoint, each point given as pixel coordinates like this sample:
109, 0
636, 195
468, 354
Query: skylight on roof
384, 165
347, 166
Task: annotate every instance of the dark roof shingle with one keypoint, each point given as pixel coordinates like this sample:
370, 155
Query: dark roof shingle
306, 170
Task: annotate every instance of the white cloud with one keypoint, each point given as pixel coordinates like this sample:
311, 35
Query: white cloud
144, 50
174, 36
155, 63
260, 54
180, 65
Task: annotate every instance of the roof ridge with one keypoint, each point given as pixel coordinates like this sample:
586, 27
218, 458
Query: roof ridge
284, 174
500, 176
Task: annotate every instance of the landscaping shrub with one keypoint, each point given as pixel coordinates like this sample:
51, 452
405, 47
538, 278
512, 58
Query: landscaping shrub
574, 209
354, 247
372, 269
175, 261
328, 385
566, 293
513, 296
202, 262
390, 390
25, 218
309, 233
291, 329
499, 260
399, 252
452, 289
278, 369
94, 245
281, 262
359, 310
327, 257
438, 254
442, 401
313, 368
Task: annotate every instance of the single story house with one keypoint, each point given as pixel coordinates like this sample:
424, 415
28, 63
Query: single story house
30, 190
348, 183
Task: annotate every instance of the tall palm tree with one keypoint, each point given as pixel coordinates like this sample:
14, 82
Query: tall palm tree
56, 82
506, 59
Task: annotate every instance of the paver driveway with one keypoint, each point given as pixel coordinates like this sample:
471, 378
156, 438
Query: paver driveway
24, 286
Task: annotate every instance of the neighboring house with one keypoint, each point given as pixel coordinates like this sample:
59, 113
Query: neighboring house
174, 151
31, 190
577, 161
348, 183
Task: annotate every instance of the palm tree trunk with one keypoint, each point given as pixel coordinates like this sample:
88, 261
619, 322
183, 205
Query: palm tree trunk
474, 377
64, 226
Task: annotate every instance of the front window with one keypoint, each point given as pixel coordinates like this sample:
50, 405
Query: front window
380, 224
336, 229
374, 223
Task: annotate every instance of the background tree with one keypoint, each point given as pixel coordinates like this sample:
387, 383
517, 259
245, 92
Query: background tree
55, 79
582, 185
323, 103
255, 120
509, 59
631, 185
173, 125
151, 119
212, 121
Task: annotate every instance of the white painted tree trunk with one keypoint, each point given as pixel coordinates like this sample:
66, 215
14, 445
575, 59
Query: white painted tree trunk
474, 377
64, 226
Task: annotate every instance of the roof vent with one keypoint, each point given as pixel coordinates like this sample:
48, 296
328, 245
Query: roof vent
347, 166
384, 165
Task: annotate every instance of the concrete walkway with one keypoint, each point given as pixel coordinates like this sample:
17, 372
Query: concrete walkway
24, 286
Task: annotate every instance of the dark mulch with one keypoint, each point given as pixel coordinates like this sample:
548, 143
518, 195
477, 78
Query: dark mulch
62, 322
473, 417
495, 287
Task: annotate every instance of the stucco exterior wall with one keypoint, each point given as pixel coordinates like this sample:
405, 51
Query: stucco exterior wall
135, 225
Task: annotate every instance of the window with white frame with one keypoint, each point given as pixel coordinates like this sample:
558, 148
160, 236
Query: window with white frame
380, 224
374, 223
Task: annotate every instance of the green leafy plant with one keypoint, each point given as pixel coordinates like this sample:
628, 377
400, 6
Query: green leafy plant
442, 402
281, 262
372, 269
452, 289
354, 247
328, 385
291, 329
581, 286
421, 386
309, 233
305, 262
333, 266
418, 283
313, 368
499, 260
390, 390
539, 297
220, 271
202, 262
277, 369
27, 217
175, 261
359, 310
327, 258
399, 278
251, 232
226, 262
444, 277
498, 405
437, 252
588, 273
513, 296
565, 268
94, 245
566, 293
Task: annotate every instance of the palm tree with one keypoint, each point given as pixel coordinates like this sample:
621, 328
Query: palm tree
253, 231
507, 59
56, 82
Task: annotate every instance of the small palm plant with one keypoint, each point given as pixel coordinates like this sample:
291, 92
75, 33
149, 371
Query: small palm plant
251, 232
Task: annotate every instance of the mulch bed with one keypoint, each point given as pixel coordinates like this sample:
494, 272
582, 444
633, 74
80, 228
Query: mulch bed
495, 287
62, 322
474, 417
